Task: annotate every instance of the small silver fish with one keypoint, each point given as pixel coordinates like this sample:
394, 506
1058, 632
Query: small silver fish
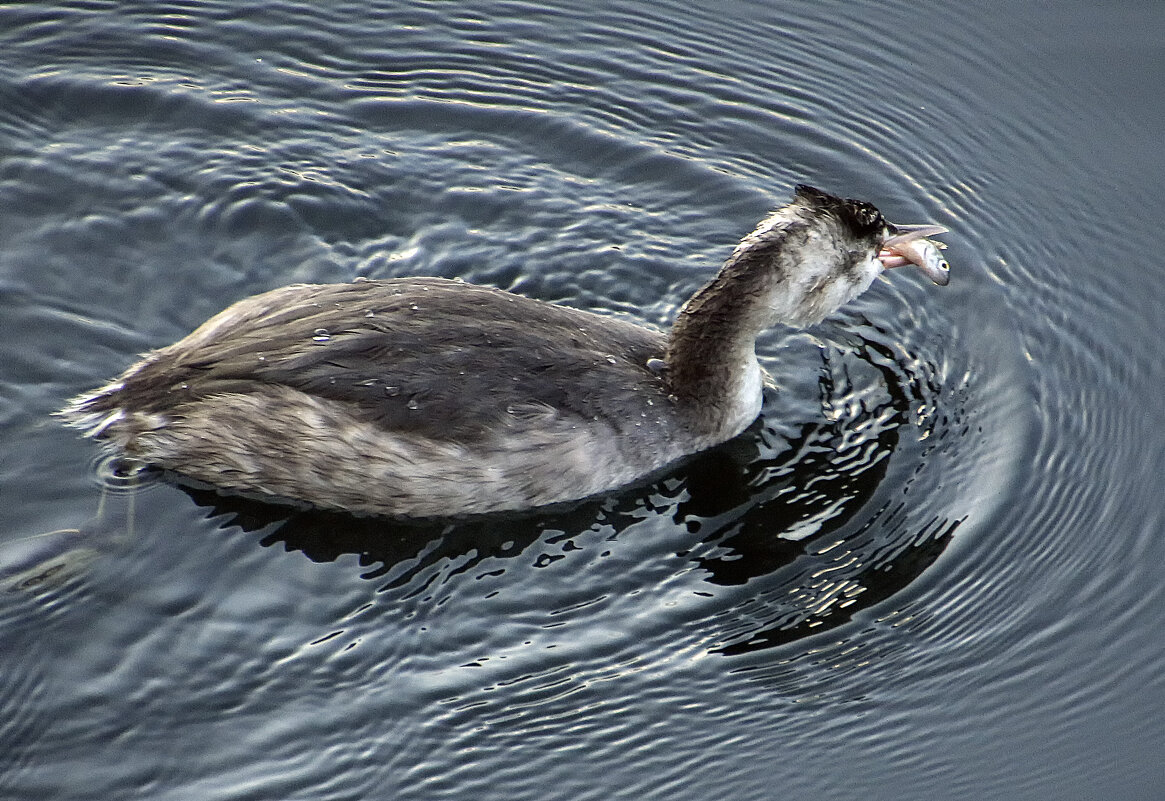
926, 253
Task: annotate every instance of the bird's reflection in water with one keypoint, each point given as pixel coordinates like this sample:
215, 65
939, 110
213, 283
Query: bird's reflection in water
807, 520
821, 524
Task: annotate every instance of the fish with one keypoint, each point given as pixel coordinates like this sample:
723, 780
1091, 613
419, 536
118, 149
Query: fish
925, 253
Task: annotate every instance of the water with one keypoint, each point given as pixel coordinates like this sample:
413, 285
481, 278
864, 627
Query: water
930, 570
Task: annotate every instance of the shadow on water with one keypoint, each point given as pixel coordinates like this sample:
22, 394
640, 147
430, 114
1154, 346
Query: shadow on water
813, 522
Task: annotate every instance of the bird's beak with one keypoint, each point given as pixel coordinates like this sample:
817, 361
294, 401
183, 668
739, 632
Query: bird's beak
906, 233
906, 244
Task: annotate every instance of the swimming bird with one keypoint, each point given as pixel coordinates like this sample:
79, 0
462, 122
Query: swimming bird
429, 397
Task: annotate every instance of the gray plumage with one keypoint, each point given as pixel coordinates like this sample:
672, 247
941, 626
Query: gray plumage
430, 397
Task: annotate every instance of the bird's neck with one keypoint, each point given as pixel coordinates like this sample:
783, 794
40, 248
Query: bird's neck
711, 359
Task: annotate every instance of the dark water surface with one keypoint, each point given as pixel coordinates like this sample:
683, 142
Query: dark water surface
933, 569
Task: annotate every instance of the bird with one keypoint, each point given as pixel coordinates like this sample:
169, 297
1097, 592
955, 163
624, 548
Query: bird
421, 397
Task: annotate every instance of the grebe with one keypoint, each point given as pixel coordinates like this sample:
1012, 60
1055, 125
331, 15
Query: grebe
427, 397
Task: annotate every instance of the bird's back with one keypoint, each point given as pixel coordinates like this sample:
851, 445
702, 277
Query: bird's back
438, 377
430, 356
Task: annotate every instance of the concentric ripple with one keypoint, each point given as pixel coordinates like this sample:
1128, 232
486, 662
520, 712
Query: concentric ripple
927, 571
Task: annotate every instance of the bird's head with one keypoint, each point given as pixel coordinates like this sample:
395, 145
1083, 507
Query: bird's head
820, 251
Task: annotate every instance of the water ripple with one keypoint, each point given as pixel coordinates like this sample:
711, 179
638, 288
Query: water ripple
924, 568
